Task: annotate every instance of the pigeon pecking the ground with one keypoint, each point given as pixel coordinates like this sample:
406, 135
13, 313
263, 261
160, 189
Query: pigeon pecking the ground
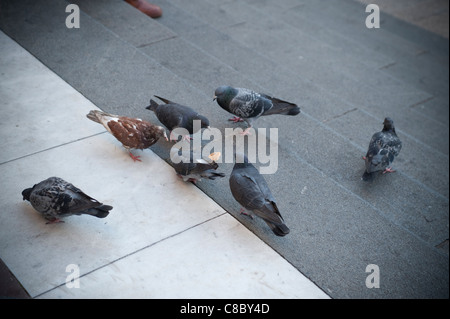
383, 148
133, 133
250, 190
174, 115
55, 198
195, 168
249, 105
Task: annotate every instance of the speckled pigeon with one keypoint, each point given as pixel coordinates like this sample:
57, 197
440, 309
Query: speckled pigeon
55, 198
249, 105
195, 168
250, 190
383, 148
133, 133
174, 115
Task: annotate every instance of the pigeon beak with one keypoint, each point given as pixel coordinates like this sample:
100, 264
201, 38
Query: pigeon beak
165, 136
215, 98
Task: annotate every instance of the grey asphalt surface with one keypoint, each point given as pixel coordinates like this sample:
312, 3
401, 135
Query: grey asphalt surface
346, 79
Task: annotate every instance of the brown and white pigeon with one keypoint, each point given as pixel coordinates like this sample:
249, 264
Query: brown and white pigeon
383, 148
55, 198
194, 168
250, 190
174, 115
249, 105
133, 133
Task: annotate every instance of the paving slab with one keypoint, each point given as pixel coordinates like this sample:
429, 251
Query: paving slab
26, 88
217, 259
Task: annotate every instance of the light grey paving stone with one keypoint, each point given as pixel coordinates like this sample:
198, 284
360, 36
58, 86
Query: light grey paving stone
25, 86
217, 259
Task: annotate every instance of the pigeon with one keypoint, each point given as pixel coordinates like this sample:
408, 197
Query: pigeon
250, 190
174, 115
133, 133
383, 148
249, 105
55, 198
195, 168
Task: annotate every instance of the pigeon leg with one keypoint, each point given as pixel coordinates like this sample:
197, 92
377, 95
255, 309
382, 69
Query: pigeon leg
236, 119
247, 131
135, 158
364, 158
187, 138
242, 212
388, 170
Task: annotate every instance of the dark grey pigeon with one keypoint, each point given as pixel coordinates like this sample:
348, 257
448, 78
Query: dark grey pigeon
55, 198
195, 167
249, 105
250, 190
174, 115
383, 148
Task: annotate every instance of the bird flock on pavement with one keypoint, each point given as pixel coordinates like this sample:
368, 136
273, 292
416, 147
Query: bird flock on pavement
56, 198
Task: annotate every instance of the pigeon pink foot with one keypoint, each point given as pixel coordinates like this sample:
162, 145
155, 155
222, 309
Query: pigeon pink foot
236, 119
135, 158
388, 170
242, 212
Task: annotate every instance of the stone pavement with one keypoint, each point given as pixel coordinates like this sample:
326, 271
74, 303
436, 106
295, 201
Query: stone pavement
163, 239
346, 79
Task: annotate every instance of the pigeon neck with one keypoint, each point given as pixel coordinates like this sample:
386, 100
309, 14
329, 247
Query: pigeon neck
390, 129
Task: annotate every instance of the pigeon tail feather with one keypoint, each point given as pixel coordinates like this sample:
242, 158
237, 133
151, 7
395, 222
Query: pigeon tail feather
164, 100
100, 211
214, 175
279, 230
282, 107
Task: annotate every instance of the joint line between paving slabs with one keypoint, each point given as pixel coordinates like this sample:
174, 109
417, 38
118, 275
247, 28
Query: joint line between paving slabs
134, 252
52, 147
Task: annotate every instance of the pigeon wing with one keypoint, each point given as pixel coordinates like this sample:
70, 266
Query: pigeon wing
279, 106
73, 200
252, 192
170, 116
247, 104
